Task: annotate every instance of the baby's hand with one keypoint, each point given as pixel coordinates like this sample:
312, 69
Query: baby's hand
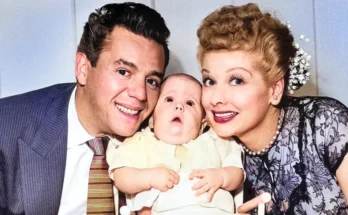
162, 178
210, 181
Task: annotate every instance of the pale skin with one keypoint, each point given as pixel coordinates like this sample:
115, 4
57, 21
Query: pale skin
161, 178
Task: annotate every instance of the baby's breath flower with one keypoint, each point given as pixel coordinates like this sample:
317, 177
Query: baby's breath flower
299, 65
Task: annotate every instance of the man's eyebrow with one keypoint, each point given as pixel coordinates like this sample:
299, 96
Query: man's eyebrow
160, 75
127, 63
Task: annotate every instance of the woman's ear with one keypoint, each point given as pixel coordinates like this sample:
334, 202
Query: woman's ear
82, 67
277, 92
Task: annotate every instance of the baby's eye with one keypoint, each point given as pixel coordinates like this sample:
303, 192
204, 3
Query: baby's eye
169, 99
207, 82
190, 103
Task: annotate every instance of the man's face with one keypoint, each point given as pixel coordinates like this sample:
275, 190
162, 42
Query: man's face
178, 113
123, 88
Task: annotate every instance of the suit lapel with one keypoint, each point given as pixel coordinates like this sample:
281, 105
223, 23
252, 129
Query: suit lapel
43, 159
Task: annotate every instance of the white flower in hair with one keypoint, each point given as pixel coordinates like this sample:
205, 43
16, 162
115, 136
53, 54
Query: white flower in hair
299, 66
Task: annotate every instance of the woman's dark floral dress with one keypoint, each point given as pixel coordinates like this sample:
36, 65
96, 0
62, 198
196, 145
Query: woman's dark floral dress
299, 170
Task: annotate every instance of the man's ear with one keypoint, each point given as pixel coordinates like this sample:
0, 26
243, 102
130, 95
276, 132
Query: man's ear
277, 91
82, 66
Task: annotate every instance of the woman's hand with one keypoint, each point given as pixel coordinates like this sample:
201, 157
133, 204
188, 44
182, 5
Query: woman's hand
210, 181
162, 178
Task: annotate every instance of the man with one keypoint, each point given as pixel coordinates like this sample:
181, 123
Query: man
44, 158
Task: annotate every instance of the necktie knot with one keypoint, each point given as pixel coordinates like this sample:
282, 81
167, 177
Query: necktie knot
98, 145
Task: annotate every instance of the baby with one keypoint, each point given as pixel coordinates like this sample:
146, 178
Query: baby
175, 168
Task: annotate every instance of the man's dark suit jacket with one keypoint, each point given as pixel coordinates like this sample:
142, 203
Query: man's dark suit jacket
33, 146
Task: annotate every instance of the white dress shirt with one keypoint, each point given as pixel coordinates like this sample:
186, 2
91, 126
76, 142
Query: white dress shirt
78, 162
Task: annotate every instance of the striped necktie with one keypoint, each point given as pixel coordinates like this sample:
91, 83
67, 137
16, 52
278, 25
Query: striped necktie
100, 186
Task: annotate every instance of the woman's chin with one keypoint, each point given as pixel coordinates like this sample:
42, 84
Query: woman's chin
223, 132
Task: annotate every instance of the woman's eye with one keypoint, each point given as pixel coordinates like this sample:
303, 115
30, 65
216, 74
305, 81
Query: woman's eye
208, 82
169, 99
190, 103
153, 83
237, 81
123, 72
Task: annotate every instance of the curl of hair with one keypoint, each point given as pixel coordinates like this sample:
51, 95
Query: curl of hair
246, 28
135, 17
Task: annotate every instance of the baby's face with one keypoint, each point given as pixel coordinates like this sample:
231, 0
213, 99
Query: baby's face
178, 113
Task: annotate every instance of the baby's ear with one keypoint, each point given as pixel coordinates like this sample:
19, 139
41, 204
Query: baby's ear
204, 126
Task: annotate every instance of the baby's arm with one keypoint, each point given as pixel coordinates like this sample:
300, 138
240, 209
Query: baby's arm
144, 211
233, 177
227, 178
134, 180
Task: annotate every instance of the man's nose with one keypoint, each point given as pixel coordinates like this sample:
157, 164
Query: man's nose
137, 89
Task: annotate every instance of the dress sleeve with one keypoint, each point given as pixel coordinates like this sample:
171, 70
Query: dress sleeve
331, 126
130, 153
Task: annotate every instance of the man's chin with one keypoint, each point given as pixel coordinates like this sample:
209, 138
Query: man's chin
125, 132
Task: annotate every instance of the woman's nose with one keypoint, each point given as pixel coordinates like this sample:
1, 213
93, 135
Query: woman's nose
218, 96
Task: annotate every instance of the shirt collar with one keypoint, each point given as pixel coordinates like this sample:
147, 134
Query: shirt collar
76, 133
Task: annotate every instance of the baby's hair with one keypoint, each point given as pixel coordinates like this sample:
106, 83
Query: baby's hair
182, 75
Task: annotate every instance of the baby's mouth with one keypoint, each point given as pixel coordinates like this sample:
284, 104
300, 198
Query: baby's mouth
176, 119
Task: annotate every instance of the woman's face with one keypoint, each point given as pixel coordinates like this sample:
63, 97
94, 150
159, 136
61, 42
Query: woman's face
235, 96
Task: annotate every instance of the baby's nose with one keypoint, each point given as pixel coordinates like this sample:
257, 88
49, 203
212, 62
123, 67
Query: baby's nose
179, 107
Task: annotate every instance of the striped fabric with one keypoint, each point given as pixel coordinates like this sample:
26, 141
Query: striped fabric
100, 192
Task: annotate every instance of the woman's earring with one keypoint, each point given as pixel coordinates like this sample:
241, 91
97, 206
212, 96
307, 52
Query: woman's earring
275, 100
151, 122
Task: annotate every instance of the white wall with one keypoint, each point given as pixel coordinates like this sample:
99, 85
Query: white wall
38, 39
37, 45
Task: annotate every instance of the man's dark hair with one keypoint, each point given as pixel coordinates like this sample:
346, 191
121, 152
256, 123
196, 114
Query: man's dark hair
135, 17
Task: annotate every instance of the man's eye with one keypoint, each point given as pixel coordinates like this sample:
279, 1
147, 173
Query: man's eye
208, 82
153, 83
190, 103
123, 72
169, 99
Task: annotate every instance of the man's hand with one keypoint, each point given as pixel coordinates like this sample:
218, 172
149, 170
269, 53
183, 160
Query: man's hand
210, 181
162, 178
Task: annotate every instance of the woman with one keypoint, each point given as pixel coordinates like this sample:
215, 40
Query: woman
296, 148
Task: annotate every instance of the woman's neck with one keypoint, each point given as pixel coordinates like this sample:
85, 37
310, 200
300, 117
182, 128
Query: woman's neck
263, 134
